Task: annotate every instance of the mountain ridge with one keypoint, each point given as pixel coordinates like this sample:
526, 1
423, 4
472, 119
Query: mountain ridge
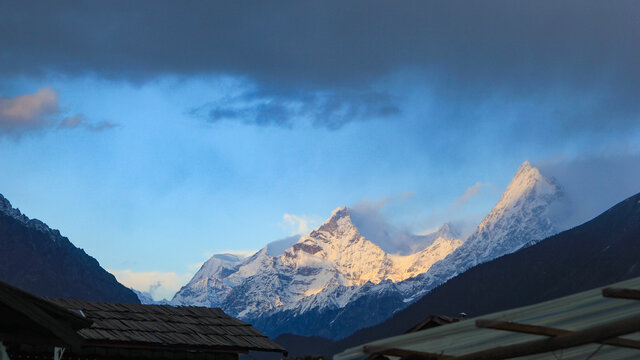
599, 252
323, 270
342, 281
40, 260
521, 215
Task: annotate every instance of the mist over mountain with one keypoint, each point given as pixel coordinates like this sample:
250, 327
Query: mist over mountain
592, 184
278, 247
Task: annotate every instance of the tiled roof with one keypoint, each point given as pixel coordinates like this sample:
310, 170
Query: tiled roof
164, 325
21, 312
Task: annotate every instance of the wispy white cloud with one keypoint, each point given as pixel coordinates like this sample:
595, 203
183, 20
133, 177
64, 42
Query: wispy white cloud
373, 224
471, 192
300, 224
593, 184
161, 285
465, 205
368, 205
194, 267
243, 253
39, 111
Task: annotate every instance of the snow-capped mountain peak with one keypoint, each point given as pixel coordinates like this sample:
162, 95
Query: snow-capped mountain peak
316, 271
340, 223
527, 180
334, 269
521, 215
217, 265
528, 191
338, 245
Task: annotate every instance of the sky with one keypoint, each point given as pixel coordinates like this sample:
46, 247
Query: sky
154, 134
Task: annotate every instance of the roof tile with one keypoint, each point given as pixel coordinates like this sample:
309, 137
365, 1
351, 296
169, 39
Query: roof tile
168, 325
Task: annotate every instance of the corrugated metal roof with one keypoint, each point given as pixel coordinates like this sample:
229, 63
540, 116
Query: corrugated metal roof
574, 312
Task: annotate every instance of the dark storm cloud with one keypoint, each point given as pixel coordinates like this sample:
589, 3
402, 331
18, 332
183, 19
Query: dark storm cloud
329, 110
469, 50
268, 113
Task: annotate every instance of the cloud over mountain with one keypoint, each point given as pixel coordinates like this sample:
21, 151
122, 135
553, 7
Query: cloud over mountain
593, 184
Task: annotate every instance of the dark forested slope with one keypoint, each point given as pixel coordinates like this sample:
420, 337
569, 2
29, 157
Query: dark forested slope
38, 259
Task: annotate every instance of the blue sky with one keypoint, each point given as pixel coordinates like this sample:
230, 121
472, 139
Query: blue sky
155, 150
